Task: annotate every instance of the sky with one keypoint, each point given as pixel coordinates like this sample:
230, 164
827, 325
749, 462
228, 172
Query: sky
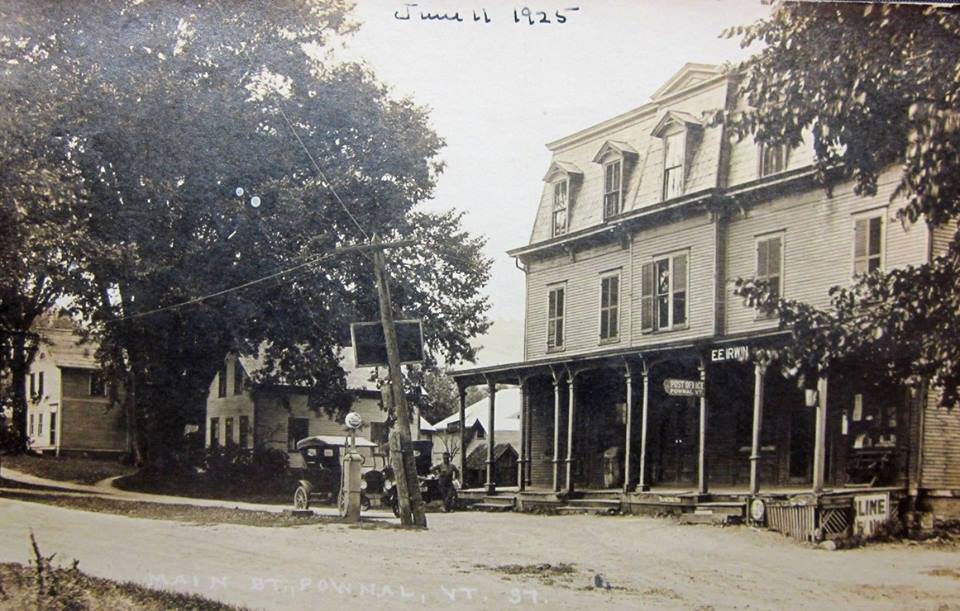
498, 91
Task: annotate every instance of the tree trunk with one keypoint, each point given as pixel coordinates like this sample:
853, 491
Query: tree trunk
18, 370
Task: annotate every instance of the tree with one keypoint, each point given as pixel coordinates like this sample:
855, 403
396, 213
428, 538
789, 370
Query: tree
875, 85
171, 109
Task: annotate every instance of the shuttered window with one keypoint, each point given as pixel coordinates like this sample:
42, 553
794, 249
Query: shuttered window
664, 288
673, 165
868, 245
770, 262
612, 188
555, 310
560, 207
610, 307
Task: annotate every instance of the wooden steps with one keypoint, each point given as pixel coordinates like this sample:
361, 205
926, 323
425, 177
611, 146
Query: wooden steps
495, 503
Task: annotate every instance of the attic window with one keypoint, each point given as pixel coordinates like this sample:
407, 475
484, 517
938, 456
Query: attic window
617, 159
673, 156
560, 210
612, 188
679, 132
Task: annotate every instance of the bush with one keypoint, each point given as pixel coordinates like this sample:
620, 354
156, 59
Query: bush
260, 469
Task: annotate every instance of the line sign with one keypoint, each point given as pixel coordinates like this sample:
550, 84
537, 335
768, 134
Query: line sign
683, 388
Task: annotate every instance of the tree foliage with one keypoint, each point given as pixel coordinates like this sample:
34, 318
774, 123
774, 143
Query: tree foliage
875, 85
169, 109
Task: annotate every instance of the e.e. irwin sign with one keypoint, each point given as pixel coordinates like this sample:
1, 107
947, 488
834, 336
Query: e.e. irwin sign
730, 353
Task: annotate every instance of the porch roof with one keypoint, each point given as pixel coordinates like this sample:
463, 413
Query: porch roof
560, 363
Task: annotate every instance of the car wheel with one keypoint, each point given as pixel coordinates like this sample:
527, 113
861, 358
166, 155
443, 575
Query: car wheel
301, 498
364, 502
396, 509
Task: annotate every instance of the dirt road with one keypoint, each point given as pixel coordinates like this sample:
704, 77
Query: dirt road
648, 563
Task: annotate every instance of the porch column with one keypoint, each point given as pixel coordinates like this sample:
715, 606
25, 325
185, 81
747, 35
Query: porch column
759, 371
491, 441
819, 443
629, 423
524, 434
642, 484
702, 484
462, 458
571, 410
556, 434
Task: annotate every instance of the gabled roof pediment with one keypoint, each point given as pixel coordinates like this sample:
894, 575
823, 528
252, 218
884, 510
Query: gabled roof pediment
615, 147
690, 75
674, 117
562, 168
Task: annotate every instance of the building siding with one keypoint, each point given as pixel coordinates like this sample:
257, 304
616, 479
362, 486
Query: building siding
940, 453
817, 244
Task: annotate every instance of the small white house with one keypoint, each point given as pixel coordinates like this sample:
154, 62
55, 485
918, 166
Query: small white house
68, 407
250, 415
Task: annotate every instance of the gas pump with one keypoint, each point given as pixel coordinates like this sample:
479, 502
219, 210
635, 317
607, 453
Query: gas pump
350, 473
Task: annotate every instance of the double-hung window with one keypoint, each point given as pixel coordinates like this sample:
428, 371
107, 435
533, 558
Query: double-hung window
868, 244
673, 165
773, 159
214, 432
560, 200
228, 431
610, 307
664, 290
612, 188
222, 381
297, 429
237, 377
98, 385
770, 262
555, 311
244, 432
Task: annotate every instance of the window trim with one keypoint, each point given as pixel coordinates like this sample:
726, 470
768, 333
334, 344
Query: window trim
618, 161
672, 326
614, 273
867, 215
762, 237
784, 158
214, 431
684, 136
103, 381
561, 286
566, 206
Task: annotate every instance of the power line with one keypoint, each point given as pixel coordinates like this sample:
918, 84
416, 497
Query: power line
226, 290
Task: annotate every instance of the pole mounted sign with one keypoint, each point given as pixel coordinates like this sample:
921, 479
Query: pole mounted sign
370, 344
683, 388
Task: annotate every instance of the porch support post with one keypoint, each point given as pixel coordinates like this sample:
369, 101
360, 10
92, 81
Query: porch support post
758, 373
462, 458
629, 424
524, 434
571, 410
702, 484
491, 441
642, 484
819, 442
556, 433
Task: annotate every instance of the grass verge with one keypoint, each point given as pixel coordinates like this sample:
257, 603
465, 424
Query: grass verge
189, 513
76, 469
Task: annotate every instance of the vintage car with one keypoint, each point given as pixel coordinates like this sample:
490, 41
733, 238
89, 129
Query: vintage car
322, 474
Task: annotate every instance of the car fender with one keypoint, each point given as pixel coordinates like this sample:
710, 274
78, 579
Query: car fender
306, 485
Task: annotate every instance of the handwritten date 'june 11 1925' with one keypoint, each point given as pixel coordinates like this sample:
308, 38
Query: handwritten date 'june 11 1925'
525, 15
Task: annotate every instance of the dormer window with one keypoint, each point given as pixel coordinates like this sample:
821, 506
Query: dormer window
673, 157
679, 132
560, 210
617, 158
612, 188
562, 180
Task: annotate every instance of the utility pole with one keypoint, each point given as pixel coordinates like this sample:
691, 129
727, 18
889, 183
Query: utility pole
401, 454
